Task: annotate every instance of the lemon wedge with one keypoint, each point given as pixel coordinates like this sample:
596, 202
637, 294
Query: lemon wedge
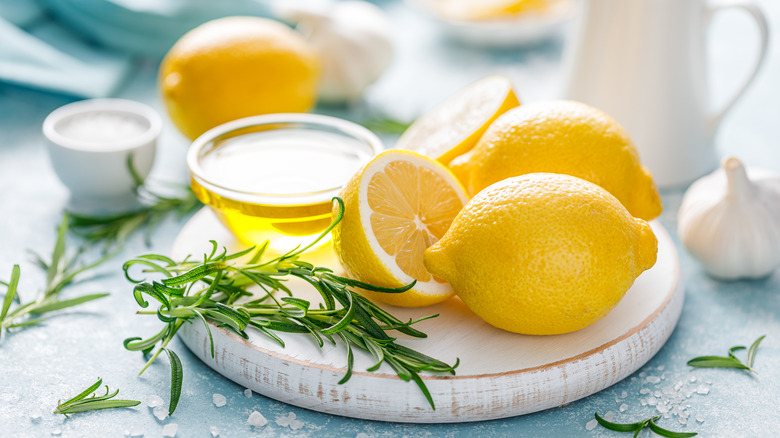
454, 126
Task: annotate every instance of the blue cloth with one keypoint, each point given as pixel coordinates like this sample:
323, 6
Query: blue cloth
85, 48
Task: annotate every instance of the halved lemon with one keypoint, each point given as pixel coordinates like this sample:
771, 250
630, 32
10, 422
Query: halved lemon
470, 10
397, 206
453, 127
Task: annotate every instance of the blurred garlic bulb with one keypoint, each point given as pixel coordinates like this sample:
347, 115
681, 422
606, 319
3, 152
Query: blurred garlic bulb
730, 221
354, 41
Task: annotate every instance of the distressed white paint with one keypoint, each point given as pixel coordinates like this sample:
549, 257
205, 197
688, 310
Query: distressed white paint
501, 374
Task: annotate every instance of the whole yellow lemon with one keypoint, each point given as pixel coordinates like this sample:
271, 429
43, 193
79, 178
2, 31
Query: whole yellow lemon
561, 137
236, 67
542, 254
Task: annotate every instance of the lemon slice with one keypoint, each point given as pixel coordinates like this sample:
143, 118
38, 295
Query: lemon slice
470, 10
453, 127
398, 205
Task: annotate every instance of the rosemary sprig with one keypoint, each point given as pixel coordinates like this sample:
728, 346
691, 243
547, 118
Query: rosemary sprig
639, 426
731, 361
82, 403
60, 271
217, 289
113, 231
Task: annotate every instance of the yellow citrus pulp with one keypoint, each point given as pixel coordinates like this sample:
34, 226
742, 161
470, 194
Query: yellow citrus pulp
236, 67
396, 207
542, 254
561, 137
471, 10
453, 127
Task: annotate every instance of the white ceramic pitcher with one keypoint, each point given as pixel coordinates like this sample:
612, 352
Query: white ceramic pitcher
643, 62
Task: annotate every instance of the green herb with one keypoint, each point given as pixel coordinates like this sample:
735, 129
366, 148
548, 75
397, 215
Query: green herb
209, 290
60, 271
731, 361
82, 403
114, 230
637, 427
386, 125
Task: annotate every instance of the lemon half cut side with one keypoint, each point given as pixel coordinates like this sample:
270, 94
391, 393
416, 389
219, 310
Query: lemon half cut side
397, 206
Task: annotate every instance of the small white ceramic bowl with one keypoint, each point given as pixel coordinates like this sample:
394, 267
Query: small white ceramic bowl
524, 30
90, 143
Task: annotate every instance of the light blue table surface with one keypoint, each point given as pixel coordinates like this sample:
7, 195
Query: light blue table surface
56, 360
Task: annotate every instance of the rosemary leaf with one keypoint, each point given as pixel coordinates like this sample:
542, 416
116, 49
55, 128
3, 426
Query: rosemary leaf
751, 356
176, 379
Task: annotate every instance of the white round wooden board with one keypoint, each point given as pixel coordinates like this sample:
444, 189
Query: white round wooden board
501, 374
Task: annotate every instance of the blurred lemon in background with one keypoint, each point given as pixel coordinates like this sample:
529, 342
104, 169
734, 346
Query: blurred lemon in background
454, 126
468, 10
236, 67
395, 208
542, 254
561, 137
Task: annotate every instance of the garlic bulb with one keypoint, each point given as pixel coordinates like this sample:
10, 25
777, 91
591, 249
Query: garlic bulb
354, 40
730, 221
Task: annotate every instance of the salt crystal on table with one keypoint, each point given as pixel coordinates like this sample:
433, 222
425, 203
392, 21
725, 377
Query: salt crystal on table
653, 379
652, 401
153, 401
285, 420
136, 431
643, 374
660, 368
248, 393
692, 379
160, 412
645, 391
623, 394
609, 416
219, 400
662, 409
214, 431
700, 419
296, 424
591, 425
170, 429
682, 420
703, 390
56, 432
35, 416
623, 407
256, 419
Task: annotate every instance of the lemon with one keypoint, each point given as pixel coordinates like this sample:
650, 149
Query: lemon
396, 207
236, 67
454, 126
543, 254
469, 10
561, 137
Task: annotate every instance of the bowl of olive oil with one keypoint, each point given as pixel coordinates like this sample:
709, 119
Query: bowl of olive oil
272, 177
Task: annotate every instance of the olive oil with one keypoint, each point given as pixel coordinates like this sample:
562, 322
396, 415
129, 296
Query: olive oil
278, 185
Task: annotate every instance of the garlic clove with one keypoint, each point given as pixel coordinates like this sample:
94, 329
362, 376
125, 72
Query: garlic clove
730, 221
354, 40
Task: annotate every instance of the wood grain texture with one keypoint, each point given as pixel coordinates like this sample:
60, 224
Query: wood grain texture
501, 374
